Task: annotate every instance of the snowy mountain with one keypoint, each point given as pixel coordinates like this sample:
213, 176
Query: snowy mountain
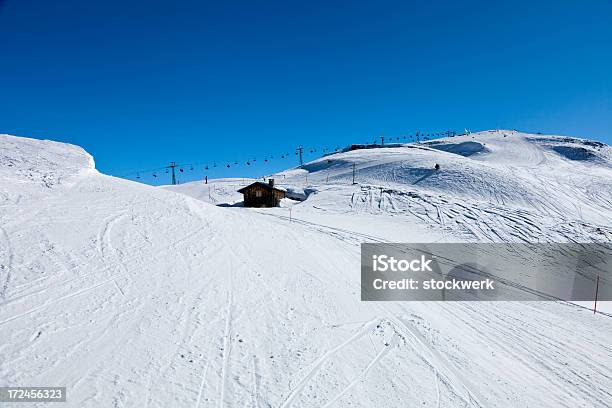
497, 186
131, 295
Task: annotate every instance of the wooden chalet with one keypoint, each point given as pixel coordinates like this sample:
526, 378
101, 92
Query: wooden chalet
261, 194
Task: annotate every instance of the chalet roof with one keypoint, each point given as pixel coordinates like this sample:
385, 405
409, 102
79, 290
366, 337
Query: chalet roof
260, 184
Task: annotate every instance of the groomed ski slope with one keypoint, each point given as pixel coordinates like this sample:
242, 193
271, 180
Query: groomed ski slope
131, 295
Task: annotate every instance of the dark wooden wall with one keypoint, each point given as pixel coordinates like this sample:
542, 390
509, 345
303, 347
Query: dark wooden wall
269, 198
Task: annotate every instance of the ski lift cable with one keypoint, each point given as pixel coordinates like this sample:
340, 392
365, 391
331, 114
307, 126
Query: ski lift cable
267, 158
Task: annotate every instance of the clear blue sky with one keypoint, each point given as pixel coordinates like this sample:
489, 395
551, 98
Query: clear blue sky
140, 83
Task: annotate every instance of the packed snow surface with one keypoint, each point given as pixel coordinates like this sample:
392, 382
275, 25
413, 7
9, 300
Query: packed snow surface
131, 295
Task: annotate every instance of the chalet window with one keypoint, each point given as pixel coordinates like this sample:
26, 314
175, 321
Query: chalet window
258, 193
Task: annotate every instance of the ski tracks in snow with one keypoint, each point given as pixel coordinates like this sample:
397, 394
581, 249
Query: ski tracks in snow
61, 298
106, 250
318, 364
103, 242
438, 363
256, 382
226, 340
361, 377
6, 262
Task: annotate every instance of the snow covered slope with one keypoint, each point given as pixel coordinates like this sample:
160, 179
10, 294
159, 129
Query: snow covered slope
495, 186
131, 295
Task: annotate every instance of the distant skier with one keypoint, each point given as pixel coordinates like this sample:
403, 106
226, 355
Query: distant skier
437, 166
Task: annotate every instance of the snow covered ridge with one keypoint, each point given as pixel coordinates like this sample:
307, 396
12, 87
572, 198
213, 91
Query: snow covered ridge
42, 161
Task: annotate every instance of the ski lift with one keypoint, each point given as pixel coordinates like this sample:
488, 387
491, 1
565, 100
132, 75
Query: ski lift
282, 157
265, 160
154, 175
235, 163
228, 166
206, 168
181, 170
214, 164
248, 163
191, 168
167, 171
138, 175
